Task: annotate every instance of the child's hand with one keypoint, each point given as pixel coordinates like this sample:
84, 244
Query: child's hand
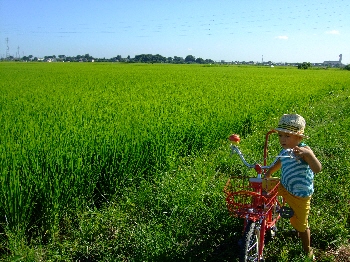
308, 156
302, 152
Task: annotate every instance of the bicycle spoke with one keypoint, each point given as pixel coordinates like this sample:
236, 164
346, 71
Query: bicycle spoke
250, 250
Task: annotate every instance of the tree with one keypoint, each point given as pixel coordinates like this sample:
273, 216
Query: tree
178, 60
200, 60
159, 59
190, 59
347, 67
144, 58
304, 65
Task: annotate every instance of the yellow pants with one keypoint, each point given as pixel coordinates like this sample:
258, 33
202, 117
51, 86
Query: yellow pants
300, 206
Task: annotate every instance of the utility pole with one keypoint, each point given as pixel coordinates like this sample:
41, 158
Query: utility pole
7, 49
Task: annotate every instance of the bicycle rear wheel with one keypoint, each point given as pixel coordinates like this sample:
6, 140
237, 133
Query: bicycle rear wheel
250, 245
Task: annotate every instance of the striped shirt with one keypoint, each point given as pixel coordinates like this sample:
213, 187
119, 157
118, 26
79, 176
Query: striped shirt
297, 177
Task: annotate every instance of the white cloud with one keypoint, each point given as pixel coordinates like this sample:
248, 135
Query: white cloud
282, 37
333, 32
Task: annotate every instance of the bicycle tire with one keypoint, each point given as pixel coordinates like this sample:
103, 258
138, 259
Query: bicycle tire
249, 250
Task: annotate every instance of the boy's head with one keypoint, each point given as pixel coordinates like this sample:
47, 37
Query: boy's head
292, 124
290, 130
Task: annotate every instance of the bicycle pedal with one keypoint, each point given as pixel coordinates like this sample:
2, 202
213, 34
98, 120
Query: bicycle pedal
286, 212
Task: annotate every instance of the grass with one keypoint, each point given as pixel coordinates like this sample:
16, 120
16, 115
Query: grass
128, 162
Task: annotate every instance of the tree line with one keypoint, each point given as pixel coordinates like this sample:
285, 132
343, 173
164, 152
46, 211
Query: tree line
143, 58
149, 58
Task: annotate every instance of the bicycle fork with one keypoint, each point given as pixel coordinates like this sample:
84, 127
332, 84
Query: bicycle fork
259, 233
261, 236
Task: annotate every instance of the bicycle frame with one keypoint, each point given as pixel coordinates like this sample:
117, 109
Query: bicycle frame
255, 199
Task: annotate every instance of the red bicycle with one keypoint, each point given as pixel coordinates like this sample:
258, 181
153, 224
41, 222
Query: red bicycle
255, 200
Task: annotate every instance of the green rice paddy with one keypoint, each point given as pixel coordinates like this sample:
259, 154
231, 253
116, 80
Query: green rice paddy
127, 162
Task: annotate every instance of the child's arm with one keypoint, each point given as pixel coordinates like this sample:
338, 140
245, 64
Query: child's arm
308, 156
273, 169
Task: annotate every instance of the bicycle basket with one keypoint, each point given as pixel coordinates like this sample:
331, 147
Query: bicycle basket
250, 197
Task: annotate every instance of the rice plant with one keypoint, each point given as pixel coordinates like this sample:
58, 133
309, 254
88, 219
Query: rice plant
79, 139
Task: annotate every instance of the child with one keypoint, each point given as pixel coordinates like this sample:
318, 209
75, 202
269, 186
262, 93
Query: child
296, 174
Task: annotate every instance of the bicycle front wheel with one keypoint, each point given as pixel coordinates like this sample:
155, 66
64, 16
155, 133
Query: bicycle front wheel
250, 245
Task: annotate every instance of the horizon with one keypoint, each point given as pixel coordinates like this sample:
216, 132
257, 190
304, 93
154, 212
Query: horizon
283, 31
216, 61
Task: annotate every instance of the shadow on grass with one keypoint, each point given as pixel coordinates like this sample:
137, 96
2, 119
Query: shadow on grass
219, 246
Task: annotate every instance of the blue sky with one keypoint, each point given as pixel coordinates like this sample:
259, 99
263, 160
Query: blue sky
231, 30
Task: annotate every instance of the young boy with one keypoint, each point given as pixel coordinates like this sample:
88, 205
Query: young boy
297, 174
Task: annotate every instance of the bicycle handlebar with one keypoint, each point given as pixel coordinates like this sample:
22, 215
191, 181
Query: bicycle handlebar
257, 167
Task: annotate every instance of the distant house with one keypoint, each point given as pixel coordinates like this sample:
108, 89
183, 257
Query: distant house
334, 63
